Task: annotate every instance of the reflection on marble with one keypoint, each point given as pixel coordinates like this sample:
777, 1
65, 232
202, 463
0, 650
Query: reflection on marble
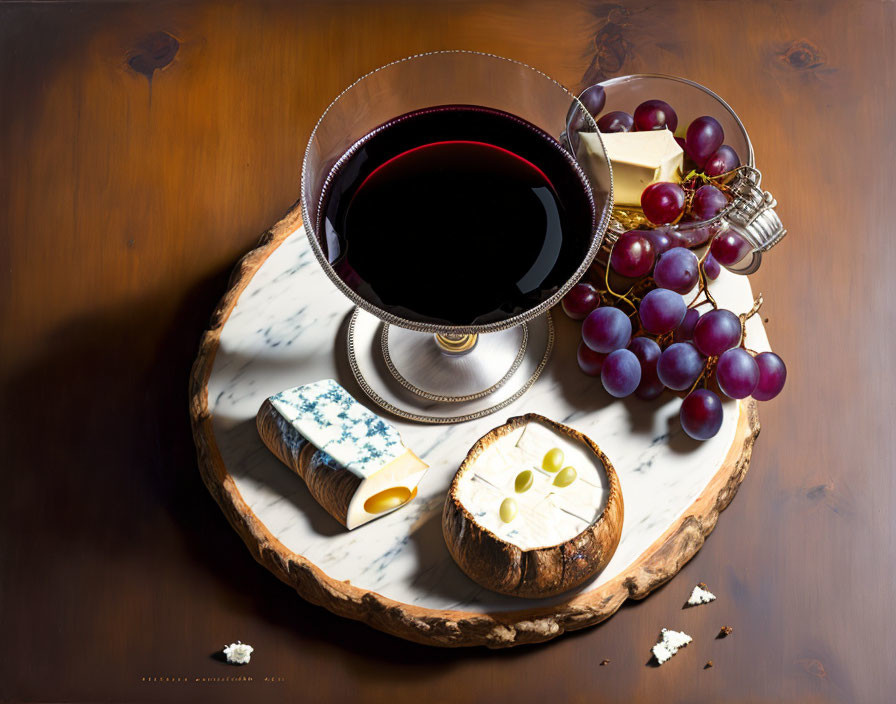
288, 328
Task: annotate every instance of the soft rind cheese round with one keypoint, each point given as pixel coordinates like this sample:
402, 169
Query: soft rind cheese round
548, 514
528, 562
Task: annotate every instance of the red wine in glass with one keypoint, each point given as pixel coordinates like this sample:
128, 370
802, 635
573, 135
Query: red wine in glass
456, 215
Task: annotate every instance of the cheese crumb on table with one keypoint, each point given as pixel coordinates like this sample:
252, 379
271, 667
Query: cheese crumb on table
238, 653
669, 644
701, 595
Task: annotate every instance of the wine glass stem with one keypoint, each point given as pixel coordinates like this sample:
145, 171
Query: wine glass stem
456, 344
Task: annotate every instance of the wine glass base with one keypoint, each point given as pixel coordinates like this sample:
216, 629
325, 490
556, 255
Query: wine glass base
405, 373
419, 365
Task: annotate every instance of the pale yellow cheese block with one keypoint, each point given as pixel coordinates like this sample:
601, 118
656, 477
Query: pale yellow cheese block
638, 160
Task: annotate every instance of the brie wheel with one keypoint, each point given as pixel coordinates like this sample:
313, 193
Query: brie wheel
548, 514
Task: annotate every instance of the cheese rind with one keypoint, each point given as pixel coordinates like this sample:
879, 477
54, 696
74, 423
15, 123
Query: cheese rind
638, 160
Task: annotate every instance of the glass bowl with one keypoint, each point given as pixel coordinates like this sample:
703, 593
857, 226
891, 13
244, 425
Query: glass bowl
751, 210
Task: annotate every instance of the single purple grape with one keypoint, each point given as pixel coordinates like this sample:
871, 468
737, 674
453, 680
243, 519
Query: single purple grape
717, 331
589, 361
711, 267
704, 136
772, 375
621, 373
606, 329
663, 202
680, 365
648, 353
729, 248
724, 159
708, 202
687, 163
737, 373
594, 98
661, 311
615, 121
632, 255
695, 236
701, 414
580, 301
660, 240
677, 270
678, 238
685, 331
655, 115
649, 390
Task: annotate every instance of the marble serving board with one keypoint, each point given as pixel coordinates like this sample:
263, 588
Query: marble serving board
287, 326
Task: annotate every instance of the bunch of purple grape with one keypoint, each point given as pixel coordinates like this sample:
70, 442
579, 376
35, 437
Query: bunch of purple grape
653, 340
671, 345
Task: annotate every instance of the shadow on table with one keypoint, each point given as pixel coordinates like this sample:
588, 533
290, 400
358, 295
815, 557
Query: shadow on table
103, 428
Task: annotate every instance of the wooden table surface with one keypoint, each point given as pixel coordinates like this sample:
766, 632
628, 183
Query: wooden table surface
144, 149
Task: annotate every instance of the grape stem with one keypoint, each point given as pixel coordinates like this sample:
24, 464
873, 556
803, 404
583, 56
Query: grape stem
622, 297
703, 286
707, 370
744, 317
720, 181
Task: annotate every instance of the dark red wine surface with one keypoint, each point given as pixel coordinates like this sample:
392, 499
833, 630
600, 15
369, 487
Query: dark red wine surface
456, 215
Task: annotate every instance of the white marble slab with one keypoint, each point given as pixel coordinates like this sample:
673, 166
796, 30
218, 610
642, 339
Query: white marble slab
288, 328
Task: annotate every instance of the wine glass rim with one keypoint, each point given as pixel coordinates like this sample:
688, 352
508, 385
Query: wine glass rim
599, 229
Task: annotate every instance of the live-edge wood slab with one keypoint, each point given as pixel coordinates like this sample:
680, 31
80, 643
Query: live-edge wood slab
475, 618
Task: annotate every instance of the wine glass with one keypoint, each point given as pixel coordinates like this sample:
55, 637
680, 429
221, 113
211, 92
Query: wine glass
421, 363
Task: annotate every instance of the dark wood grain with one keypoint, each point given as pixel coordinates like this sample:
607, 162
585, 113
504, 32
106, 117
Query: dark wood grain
143, 149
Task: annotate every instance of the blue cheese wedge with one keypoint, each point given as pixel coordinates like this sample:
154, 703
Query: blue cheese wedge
701, 595
354, 462
638, 160
670, 643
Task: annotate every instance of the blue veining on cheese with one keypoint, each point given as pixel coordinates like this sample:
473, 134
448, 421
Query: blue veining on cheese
350, 436
322, 459
294, 440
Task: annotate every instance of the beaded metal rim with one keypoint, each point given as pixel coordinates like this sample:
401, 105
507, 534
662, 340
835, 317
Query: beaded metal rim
597, 237
439, 420
384, 344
